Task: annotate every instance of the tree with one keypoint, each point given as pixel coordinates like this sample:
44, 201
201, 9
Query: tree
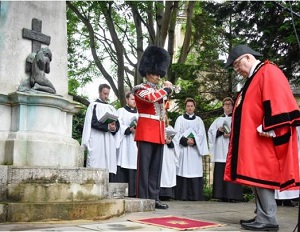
210, 30
266, 27
112, 38
217, 28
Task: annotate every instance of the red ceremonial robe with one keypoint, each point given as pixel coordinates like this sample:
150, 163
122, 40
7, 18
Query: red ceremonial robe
262, 161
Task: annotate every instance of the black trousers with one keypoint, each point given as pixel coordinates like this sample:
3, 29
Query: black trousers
148, 174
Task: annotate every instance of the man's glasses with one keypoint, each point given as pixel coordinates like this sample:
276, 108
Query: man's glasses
237, 62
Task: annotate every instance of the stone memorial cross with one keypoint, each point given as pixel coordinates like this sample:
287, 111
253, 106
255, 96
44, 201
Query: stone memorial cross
35, 35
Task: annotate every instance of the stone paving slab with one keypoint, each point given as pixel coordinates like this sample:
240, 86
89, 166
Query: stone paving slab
218, 212
124, 226
72, 228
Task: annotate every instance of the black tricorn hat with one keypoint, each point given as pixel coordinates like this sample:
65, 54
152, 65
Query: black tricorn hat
237, 52
155, 60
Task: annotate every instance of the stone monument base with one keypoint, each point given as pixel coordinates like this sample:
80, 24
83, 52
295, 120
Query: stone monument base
36, 130
33, 148
39, 193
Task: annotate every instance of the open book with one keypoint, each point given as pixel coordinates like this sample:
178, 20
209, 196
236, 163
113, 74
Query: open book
108, 118
170, 133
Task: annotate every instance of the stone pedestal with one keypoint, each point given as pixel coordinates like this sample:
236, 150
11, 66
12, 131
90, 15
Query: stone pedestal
41, 170
37, 129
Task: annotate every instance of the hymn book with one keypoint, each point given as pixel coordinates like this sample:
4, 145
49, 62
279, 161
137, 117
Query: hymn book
226, 127
108, 118
170, 133
191, 135
133, 122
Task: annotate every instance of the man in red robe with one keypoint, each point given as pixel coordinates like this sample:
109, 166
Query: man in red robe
150, 129
263, 149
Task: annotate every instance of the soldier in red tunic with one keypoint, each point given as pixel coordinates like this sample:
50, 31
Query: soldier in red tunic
263, 149
150, 129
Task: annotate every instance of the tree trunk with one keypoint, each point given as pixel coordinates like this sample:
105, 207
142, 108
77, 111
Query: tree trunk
162, 35
139, 41
171, 38
188, 33
120, 55
150, 23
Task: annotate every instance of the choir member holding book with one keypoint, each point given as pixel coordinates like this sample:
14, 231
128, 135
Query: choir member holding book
99, 137
218, 139
127, 151
170, 161
191, 138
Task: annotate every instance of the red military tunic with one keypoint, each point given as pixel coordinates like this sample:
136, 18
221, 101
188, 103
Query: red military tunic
257, 160
150, 105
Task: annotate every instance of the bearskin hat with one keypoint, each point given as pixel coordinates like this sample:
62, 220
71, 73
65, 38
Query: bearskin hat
155, 60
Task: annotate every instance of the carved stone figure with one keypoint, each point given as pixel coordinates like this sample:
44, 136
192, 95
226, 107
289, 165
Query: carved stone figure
38, 64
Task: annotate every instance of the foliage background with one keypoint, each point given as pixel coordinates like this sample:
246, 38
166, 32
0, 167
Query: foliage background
106, 40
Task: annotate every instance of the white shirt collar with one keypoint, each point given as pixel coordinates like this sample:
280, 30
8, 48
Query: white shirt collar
190, 115
253, 67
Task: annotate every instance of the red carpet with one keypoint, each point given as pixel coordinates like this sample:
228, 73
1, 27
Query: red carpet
177, 223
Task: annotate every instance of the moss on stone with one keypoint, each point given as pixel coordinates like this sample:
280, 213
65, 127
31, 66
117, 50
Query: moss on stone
54, 179
90, 181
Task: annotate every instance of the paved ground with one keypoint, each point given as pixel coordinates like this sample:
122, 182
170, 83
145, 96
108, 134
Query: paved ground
228, 214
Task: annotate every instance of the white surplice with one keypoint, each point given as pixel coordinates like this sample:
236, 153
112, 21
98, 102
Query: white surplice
218, 147
127, 152
170, 161
190, 158
101, 146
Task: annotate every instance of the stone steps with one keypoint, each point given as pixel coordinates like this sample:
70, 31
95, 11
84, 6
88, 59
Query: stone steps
92, 210
31, 194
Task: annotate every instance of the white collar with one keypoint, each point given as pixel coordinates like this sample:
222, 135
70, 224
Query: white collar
253, 67
190, 115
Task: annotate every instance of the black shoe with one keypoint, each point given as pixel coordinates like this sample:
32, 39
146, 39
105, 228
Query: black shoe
247, 221
159, 205
256, 226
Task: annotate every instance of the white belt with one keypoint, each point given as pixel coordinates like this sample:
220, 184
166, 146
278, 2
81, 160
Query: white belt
155, 117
